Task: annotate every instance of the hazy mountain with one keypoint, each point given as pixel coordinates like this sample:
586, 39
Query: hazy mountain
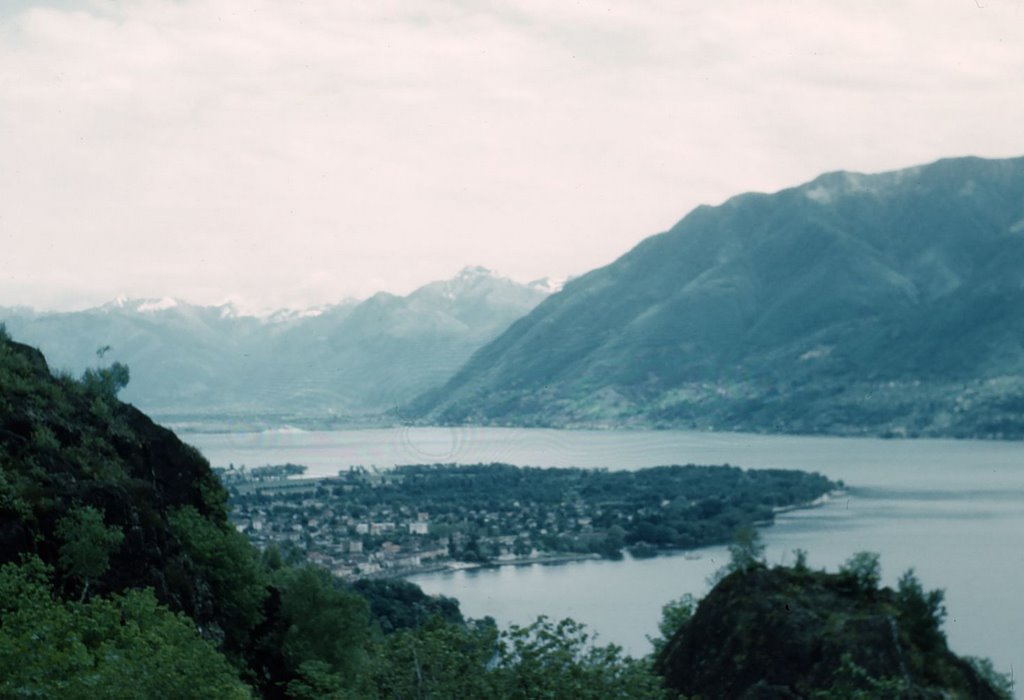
177, 352
382, 352
352, 358
854, 303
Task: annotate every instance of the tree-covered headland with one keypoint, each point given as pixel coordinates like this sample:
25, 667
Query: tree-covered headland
394, 522
796, 632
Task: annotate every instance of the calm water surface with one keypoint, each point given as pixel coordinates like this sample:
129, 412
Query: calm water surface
953, 510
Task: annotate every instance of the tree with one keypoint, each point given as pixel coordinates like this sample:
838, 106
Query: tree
800, 563
674, 614
107, 381
1002, 683
438, 660
88, 544
558, 660
747, 551
923, 612
614, 541
223, 557
271, 558
851, 682
326, 626
864, 569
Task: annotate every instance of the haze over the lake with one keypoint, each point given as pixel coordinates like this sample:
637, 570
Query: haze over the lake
297, 153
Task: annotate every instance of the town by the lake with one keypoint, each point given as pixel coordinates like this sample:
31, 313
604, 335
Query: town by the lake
366, 522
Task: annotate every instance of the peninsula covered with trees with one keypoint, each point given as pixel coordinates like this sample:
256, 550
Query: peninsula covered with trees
413, 517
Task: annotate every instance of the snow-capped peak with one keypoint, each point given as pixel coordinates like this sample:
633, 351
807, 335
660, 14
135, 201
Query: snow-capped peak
149, 305
471, 272
548, 285
287, 315
127, 303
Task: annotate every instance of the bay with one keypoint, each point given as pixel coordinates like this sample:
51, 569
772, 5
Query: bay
951, 509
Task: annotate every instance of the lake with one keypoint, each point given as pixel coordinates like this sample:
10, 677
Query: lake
953, 510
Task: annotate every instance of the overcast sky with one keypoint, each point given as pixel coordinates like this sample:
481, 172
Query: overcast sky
289, 153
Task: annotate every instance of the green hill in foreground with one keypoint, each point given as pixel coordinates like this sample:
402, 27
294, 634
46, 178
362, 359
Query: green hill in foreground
120, 577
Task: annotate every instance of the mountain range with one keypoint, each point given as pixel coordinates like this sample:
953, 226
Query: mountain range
889, 304
341, 362
860, 304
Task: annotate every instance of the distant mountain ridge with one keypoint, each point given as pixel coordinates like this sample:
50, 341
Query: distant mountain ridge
341, 361
854, 304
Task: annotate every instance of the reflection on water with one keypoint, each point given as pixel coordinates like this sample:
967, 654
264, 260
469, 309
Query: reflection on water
953, 510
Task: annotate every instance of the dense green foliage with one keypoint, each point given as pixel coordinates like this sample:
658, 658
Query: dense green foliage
89, 484
87, 544
125, 646
797, 633
674, 614
396, 604
544, 660
327, 627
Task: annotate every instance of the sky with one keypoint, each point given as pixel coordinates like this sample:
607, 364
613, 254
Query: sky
297, 153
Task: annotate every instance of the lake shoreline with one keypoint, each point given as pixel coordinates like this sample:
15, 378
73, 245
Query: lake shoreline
454, 566
189, 425
556, 559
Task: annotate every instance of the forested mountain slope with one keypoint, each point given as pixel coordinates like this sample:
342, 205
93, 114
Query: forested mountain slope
856, 304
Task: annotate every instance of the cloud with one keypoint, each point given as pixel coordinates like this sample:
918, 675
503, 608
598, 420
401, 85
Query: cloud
300, 152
